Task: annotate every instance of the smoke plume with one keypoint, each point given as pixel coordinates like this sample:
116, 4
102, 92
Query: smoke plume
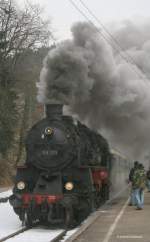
99, 86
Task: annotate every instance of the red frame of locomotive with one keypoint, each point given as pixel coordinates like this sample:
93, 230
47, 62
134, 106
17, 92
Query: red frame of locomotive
100, 177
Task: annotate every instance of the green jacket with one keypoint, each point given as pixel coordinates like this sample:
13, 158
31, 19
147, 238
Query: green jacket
139, 179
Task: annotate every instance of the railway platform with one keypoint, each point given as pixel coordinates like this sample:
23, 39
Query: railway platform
119, 222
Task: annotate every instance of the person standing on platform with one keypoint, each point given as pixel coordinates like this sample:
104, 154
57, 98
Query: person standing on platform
132, 198
139, 183
148, 179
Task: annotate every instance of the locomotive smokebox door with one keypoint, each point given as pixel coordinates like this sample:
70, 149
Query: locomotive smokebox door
49, 184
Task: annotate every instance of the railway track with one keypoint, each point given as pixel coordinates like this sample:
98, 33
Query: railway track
59, 237
14, 234
22, 231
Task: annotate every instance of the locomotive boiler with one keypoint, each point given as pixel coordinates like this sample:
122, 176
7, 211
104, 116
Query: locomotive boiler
66, 172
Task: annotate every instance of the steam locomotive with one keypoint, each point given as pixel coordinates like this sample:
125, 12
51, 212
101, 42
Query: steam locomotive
66, 172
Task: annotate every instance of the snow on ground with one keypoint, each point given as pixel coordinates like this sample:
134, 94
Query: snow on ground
10, 223
36, 235
6, 193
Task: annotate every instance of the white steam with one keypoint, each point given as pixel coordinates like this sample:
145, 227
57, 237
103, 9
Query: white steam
100, 87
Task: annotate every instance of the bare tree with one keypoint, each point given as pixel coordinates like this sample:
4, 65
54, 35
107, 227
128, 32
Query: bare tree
20, 31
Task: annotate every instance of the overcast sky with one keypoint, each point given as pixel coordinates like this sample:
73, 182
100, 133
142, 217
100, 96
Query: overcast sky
63, 14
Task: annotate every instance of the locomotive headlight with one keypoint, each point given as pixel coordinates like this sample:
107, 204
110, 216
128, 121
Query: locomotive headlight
48, 131
21, 185
69, 186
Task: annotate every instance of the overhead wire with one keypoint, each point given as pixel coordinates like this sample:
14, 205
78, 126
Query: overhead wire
111, 36
117, 47
91, 22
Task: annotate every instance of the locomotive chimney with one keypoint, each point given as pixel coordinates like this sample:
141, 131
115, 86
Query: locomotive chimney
54, 111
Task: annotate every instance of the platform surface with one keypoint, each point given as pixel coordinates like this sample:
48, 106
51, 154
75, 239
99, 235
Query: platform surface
120, 223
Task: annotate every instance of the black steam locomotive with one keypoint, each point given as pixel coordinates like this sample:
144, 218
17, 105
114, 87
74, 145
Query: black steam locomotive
66, 172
